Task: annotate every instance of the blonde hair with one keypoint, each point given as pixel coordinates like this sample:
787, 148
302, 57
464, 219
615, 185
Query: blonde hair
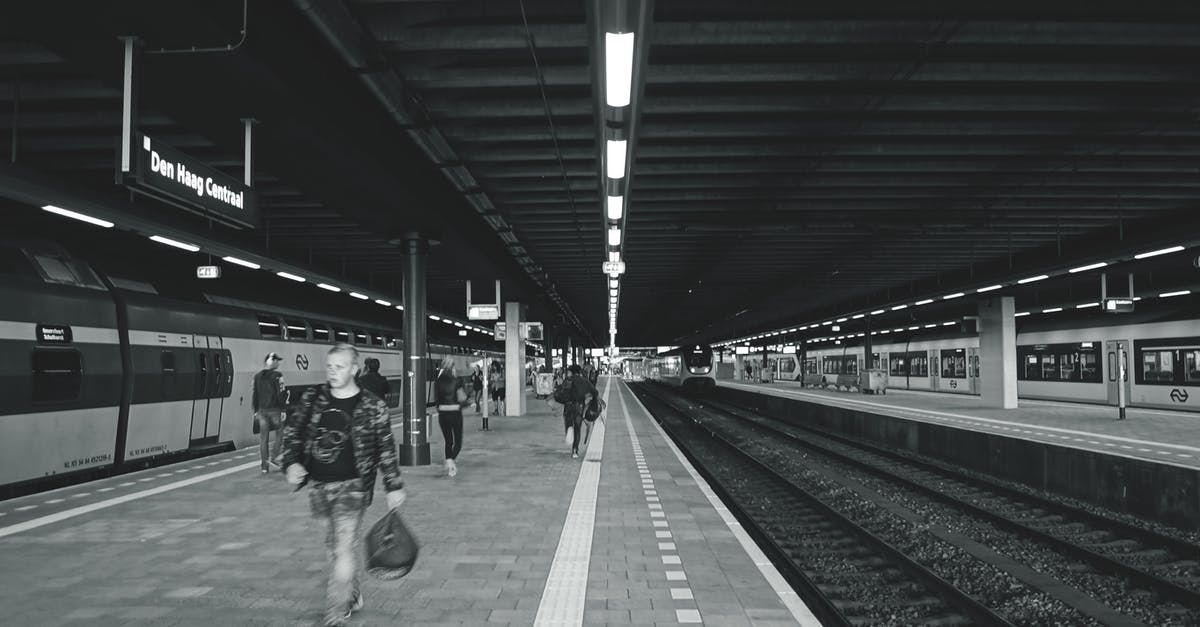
447, 363
342, 347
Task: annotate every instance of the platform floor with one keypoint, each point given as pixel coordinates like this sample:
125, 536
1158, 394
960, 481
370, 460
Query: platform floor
524, 535
1167, 437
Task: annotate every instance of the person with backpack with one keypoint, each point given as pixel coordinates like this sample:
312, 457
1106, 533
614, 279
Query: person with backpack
267, 400
574, 393
496, 388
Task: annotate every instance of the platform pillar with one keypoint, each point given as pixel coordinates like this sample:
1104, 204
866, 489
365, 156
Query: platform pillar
414, 447
514, 361
998, 353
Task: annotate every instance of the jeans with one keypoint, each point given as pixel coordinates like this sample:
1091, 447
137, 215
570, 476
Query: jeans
451, 423
340, 503
573, 417
267, 417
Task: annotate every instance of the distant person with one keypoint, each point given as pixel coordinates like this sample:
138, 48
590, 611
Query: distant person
373, 381
749, 371
451, 397
268, 399
575, 392
337, 437
477, 386
496, 385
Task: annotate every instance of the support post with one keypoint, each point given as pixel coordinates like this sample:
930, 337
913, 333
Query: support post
998, 353
514, 361
414, 448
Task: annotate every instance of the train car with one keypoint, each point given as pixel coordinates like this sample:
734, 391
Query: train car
688, 367
1162, 359
103, 373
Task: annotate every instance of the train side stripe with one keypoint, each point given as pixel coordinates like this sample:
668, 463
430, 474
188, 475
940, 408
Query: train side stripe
91, 507
27, 332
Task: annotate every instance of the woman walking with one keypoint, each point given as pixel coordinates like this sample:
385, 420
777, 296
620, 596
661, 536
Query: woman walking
451, 398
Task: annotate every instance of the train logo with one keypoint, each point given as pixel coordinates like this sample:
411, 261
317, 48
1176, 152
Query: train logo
954, 383
1179, 396
301, 361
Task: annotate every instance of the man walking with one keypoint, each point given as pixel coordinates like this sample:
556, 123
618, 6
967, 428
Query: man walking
374, 381
267, 399
337, 437
579, 392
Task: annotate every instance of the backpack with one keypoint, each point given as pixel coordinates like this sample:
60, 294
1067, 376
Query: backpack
562, 394
594, 410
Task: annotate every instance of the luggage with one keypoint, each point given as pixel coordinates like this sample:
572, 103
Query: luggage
594, 410
562, 394
391, 548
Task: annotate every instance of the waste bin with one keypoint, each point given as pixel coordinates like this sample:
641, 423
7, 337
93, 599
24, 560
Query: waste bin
874, 381
544, 384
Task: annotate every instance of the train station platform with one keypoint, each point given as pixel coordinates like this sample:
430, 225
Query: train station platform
628, 534
1161, 436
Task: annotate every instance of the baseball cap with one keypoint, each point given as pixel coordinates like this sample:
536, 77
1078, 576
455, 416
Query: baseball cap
575, 369
273, 357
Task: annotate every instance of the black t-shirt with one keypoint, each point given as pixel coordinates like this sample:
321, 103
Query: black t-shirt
333, 448
447, 385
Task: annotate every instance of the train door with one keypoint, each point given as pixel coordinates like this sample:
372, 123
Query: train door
1111, 368
210, 373
935, 370
973, 370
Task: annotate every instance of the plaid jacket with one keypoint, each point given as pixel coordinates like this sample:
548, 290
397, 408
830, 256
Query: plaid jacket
374, 446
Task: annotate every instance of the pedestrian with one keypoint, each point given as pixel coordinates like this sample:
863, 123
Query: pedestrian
477, 386
337, 437
373, 381
451, 397
574, 393
268, 398
496, 383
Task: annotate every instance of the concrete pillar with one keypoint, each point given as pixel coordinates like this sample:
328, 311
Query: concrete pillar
998, 353
414, 446
739, 368
548, 343
514, 361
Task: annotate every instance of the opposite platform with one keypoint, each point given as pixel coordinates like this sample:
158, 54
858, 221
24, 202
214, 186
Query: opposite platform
634, 535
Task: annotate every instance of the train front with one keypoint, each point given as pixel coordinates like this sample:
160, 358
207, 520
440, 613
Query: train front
698, 372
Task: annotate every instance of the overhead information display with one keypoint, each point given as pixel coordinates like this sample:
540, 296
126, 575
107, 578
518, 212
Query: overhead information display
161, 170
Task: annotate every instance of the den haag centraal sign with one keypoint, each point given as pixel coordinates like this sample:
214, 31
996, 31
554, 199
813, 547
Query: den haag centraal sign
163, 170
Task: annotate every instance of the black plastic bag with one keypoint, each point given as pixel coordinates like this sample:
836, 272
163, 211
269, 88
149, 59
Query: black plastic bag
391, 548
594, 410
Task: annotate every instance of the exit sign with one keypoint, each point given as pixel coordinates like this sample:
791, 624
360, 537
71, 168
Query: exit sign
208, 272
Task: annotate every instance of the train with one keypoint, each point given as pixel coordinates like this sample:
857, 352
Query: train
688, 367
103, 374
1075, 364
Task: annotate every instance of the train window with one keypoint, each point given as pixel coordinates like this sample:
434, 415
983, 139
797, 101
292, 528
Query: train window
918, 364
874, 361
1112, 366
1030, 369
1191, 366
1077, 362
1088, 363
376, 339
1158, 366
296, 329
56, 269
850, 366
390, 341
57, 375
341, 335
13, 262
269, 327
360, 336
168, 362
898, 366
320, 332
1049, 366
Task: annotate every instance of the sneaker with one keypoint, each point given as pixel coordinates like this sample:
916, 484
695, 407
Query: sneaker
264, 470
356, 604
570, 435
451, 468
575, 455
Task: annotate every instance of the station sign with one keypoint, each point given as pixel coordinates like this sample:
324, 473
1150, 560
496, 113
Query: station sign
531, 331
501, 330
208, 272
614, 267
1118, 305
53, 334
742, 350
483, 312
164, 171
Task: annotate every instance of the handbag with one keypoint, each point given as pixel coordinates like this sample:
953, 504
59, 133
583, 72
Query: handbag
391, 548
594, 410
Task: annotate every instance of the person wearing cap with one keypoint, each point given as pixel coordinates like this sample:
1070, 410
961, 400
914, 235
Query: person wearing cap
267, 400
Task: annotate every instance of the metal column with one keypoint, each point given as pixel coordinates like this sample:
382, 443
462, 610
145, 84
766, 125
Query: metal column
414, 449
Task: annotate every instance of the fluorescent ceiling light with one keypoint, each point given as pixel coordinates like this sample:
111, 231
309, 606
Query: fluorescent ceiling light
898, 329
614, 236
826, 323
613, 283
170, 242
899, 307
949, 324
884, 332
242, 262
1086, 305
78, 216
612, 292
615, 206
359, 296
857, 316
1155, 253
1170, 294
954, 295
842, 319
380, 301
618, 68
447, 321
433, 317
1021, 313
616, 158
1052, 310
614, 256
988, 288
1032, 279
291, 277
914, 328
931, 325
876, 312
924, 302
1090, 266
326, 286
400, 307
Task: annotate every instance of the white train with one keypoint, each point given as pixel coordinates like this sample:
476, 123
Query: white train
1162, 360
101, 373
689, 367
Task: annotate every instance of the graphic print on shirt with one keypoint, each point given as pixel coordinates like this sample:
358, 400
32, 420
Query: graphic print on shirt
332, 435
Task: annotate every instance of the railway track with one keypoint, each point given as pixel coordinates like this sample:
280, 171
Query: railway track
847, 574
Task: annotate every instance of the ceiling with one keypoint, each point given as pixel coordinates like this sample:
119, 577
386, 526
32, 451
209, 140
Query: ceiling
788, 162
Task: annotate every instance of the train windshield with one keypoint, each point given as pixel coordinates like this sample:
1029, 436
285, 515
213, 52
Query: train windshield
698, 357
